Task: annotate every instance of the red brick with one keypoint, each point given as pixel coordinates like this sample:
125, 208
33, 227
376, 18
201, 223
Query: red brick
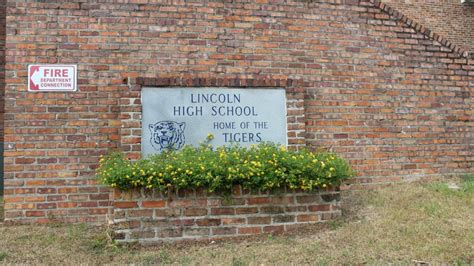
167, 212
222, 211
125, 204
183, 222
229, 221
307, 218
257, 201
208, 222
246, 210
319, 208
274, 229
154, 204
249, 230
34, 213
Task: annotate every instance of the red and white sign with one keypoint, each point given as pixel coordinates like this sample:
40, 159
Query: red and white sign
52, 77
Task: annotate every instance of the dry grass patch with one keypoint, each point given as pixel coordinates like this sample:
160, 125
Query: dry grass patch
404, 223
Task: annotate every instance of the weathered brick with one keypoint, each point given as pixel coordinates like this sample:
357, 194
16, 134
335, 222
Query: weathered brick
274, 229
170, 232
183, 222
308, 199
256, 201
126, 225
307, 218
46, 206
259, 220
140, 213
208, 222
143, 234
197, 231
170, 212
224, 231
284, 219
331, 197
195, 212
249, 230
34, 213
222, 211
246, 210
230, 221
272, 210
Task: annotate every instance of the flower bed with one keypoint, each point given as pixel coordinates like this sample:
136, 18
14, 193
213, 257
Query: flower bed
219, 191
260, 167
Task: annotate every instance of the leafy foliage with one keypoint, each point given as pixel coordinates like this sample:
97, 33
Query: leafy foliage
264, 166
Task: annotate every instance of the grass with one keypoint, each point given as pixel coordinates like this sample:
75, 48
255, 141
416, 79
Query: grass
401, 224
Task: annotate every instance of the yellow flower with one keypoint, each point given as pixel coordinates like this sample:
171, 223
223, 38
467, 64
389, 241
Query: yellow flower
210, 136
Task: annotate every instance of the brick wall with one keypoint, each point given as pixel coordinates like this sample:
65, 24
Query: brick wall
2, 85
392, 98
191, 215
448, 18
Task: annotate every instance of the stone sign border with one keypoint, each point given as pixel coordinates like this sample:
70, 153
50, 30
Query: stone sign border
131, 107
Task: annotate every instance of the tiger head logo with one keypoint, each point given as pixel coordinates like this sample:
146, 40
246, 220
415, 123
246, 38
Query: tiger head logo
167, 135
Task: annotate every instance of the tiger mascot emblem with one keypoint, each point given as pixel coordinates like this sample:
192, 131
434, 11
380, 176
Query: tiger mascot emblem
167, 135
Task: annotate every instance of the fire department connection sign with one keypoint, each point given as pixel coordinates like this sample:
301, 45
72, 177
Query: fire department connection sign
52, 77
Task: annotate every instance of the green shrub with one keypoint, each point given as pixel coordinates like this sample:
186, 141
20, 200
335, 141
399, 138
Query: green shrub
264, 166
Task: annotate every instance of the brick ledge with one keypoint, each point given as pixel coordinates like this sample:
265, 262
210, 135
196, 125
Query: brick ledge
196, 81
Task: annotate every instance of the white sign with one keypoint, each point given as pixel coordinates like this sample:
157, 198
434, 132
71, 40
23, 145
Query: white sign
174, 117
52, 77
